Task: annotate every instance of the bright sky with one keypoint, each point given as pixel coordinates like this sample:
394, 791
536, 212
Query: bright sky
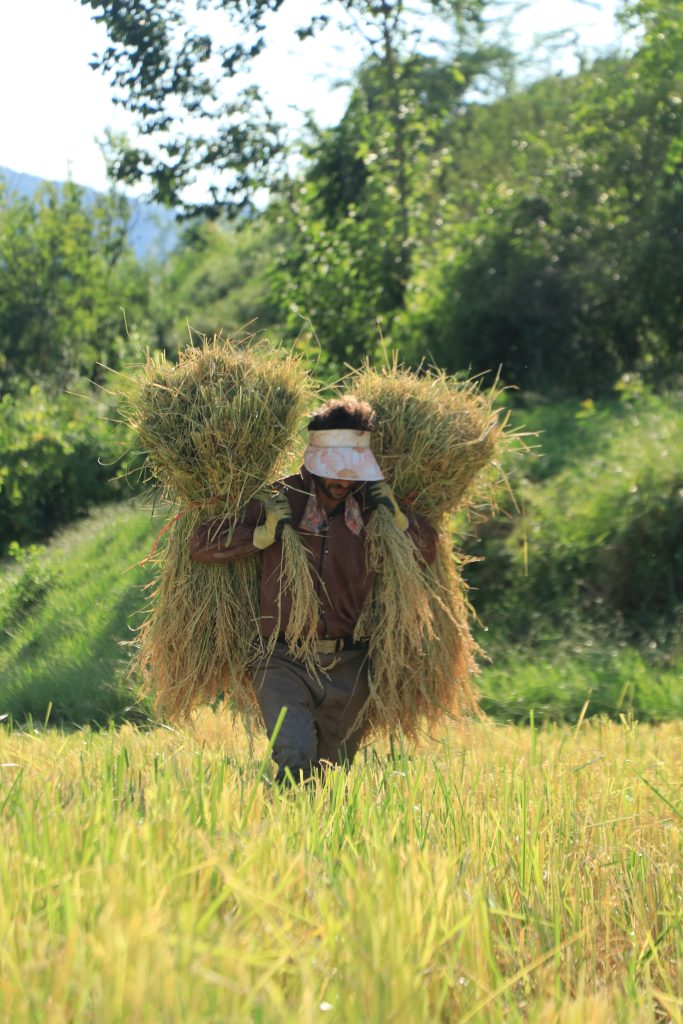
55, 106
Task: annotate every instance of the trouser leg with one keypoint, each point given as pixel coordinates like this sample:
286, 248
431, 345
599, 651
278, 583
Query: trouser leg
320, 723
346, 691
280, 682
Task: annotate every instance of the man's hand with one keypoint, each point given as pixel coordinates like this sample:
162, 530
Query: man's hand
380, 493
278, 515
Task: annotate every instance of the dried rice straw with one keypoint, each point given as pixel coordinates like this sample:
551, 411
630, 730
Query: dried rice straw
214, 429
434, 437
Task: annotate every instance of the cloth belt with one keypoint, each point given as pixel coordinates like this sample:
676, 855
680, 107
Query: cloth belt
332, 645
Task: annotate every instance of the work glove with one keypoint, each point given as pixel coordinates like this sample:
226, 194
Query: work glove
278, 515
380, 493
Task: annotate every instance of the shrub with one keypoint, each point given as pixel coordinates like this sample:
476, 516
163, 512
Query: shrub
58, 457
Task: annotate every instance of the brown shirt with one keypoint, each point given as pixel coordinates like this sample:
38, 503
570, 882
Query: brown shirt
337, 559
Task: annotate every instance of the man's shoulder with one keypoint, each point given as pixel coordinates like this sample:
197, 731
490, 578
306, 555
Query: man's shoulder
293, 480
297, 487
300, 481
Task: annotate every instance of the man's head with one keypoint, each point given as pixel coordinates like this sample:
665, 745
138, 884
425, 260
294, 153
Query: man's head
338, 452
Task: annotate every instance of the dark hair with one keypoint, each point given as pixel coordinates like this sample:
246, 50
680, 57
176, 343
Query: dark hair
343, 414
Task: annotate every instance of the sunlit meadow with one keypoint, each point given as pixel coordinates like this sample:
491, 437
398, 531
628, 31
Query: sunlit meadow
498, 873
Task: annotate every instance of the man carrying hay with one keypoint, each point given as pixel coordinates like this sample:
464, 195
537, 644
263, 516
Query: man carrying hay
329, 503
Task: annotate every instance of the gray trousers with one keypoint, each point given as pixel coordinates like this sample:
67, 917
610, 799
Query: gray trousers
321, 711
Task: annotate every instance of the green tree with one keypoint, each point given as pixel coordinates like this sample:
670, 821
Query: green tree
357, 217
162, 62
563, 264
645, 122
67, 275
218, 281
161, 65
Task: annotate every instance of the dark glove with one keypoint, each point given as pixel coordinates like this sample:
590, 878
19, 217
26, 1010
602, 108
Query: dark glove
278, 515
380, 493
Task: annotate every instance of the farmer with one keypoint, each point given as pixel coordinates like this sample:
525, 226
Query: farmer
328, 502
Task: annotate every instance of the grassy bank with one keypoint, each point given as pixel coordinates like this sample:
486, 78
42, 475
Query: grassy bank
64, 611
597, 532
580, 591
500, 874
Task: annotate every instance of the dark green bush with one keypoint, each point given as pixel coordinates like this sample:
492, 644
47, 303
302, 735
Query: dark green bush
58, 457
30, 588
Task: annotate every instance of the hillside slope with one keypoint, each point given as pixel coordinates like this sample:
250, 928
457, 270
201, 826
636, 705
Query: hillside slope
581, 588
64, 612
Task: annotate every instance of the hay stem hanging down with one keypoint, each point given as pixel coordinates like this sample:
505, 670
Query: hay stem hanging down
197, 641
395, 652
296, 580
450, 656
436, 440
215, 429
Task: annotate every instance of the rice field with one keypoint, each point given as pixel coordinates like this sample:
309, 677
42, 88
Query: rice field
495, 873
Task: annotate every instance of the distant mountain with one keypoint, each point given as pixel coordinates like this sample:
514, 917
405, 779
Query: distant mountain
152, 230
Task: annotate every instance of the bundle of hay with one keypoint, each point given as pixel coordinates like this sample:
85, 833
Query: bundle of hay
215, 429
435, 438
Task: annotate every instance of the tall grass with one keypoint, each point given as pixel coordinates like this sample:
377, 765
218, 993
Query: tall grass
500, 874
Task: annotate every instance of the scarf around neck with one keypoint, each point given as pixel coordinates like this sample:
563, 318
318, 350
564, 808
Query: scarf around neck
315, 518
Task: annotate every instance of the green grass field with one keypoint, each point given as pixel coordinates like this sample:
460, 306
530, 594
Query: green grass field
497, 874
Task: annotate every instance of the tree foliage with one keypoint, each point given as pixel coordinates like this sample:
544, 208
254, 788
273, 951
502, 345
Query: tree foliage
59, 454
169, 74
219, 281
356, 218
563, 265
67, 274
194, 114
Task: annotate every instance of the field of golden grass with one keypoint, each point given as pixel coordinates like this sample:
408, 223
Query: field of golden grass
494, 874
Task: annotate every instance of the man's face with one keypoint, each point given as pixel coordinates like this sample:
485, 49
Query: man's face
335, 490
